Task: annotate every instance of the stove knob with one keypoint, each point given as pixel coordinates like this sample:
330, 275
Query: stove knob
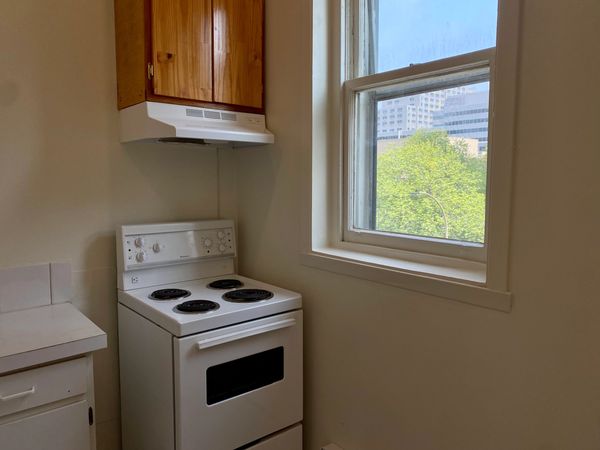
156, 247
221, 248
140, 257
207, 242
139, 242
221, 235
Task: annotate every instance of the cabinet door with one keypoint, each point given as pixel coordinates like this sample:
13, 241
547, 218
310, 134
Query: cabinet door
238, 52
63, 428
182, 48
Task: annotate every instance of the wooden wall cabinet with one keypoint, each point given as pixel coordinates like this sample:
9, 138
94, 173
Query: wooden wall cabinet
193, 52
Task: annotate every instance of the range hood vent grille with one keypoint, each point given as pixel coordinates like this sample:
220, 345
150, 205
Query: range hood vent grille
194, 112
210, 114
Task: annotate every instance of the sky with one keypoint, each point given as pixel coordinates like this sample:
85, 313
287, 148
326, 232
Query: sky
416, 31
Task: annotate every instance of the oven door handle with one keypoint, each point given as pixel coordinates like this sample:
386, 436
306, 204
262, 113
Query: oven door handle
260, 329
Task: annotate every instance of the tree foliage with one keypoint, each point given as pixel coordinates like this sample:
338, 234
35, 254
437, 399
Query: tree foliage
429, 166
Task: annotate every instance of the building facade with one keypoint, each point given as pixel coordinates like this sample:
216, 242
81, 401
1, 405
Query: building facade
401, 117
461, 111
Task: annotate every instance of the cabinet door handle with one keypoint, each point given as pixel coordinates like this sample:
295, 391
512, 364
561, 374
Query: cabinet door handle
5, 398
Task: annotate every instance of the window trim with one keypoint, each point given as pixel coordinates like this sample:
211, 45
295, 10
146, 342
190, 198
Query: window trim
485, 285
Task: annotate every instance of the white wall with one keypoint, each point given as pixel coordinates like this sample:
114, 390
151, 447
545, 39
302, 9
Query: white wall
65, 182
389, 369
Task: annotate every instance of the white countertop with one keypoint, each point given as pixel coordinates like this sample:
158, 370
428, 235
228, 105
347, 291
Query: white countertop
39, 335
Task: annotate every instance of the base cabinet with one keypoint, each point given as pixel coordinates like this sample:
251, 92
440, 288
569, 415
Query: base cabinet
49, 407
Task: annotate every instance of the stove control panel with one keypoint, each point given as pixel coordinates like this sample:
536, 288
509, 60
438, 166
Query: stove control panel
152, 249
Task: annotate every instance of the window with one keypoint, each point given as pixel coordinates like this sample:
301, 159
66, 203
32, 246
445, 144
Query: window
427, 191
420, 201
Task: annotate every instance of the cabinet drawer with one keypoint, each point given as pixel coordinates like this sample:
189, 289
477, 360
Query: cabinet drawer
290, 439
28, 389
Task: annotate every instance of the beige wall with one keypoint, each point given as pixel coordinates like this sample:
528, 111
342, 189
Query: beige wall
389, 369
65, 182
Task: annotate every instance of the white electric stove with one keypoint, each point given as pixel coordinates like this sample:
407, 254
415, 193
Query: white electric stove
210, 360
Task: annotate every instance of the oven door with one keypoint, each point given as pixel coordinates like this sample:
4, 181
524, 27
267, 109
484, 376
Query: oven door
239, 383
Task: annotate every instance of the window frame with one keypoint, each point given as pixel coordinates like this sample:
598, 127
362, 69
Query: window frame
323, 246
457, 65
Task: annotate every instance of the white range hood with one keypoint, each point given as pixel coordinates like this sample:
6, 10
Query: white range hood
163, 122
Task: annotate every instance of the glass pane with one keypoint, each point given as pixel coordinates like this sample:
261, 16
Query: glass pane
417, 31
422, 170
243, 375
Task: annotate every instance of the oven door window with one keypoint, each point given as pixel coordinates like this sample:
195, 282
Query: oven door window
239, 376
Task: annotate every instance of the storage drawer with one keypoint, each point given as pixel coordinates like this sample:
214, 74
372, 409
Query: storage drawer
290, 439
28, 389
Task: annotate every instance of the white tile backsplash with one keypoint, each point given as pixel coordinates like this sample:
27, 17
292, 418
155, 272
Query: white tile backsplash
60, 282
24, 287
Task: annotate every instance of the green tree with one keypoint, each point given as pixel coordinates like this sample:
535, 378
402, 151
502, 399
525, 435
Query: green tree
425, 176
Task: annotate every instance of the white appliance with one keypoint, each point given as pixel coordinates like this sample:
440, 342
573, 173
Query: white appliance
165, 122
209, 360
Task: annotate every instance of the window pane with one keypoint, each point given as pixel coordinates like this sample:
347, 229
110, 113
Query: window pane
417, 31
420, 164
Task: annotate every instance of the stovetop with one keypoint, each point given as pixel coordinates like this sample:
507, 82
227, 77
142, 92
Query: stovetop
246, 303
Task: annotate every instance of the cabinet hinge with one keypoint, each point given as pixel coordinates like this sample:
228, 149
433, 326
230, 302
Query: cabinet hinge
91, 415
150, 70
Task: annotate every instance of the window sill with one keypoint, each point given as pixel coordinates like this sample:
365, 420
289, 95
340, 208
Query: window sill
462, 284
